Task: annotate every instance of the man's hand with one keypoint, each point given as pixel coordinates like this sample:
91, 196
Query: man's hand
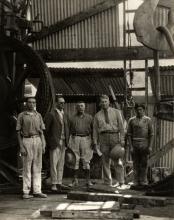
23, 151
122, 143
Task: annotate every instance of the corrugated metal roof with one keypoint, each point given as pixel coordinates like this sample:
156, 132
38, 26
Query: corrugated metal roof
166, 81
87, 81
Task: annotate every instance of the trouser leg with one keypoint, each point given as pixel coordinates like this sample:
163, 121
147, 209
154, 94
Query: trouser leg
37, 165
27, 164
60, 164
54, 158
86, 152
143, 170
119, 170
106, 169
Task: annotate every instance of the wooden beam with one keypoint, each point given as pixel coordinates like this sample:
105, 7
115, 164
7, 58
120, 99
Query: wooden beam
166, 3
74, 19
127, 198
101, 54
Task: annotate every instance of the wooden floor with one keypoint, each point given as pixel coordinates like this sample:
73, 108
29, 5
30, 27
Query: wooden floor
13, 207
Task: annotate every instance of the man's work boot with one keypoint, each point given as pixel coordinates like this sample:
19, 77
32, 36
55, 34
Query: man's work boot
74, 183
88, 181
27, 196
54, 187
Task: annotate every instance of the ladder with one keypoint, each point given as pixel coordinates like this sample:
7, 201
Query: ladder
127, 32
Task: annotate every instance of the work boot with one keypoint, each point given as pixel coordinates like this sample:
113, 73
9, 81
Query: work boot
54, 187
88, 181
40, 195
74, 183
27, 196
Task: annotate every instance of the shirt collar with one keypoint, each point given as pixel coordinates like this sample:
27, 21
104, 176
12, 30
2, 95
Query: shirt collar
59, 111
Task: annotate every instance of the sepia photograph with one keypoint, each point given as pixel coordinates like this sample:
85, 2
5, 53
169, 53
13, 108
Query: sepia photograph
86, 109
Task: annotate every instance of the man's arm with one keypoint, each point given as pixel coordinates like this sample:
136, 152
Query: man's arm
151, 135
121, 128
95, 131
43, 141
129, 135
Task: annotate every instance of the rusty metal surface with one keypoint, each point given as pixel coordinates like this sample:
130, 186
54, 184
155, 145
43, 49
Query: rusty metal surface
101, 30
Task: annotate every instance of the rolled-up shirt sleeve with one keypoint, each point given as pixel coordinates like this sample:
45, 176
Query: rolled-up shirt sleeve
19, 122
42, 125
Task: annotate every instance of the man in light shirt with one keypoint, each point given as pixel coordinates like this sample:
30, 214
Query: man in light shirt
57, 138
108, 131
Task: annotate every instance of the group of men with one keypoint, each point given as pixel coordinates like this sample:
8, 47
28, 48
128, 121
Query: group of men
83, 134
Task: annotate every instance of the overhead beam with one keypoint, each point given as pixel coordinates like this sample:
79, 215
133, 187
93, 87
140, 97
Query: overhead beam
98, 8
101, 54
166, 3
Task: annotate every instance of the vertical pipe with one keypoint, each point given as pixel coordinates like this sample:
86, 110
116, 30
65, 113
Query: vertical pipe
146, 86
157, 93
157, 74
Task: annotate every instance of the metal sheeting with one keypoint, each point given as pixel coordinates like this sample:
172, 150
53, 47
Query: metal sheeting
166, 81
101, 30
161, 16
166, 134
88, 81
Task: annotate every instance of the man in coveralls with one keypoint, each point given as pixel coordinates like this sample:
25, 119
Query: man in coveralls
140, 137
30, 128
108, 131
81, 141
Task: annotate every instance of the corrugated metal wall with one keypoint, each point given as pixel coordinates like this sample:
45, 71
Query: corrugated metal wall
161, 16
101, 30
166, 134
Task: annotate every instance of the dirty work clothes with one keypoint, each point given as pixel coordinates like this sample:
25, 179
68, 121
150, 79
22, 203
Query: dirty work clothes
107, 133
107, 142
57, 158
30, 124
114, 124
140, 158
80, 140
32, 163
140, 131
81, 146
81, 124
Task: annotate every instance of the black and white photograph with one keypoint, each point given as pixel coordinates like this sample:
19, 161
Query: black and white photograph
86, 109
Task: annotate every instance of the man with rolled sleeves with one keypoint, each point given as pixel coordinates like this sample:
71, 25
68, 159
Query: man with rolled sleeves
108, 131
57, 138
81, 141
140, 136
30, 128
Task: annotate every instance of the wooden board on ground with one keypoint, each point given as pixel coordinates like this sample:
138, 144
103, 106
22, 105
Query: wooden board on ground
123, 198
92, 215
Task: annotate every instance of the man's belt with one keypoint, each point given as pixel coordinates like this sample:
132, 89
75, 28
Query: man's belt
80, 135
139, 139
32, 136
108, 132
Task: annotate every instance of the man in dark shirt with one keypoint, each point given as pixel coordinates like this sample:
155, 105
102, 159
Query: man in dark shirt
80, 141
140, 136
30, 128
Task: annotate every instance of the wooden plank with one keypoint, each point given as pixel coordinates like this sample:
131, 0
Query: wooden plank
133, 199
74, 19
101, 54
154, 158
91, 215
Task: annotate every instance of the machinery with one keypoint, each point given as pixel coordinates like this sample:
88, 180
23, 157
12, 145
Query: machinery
17, 59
